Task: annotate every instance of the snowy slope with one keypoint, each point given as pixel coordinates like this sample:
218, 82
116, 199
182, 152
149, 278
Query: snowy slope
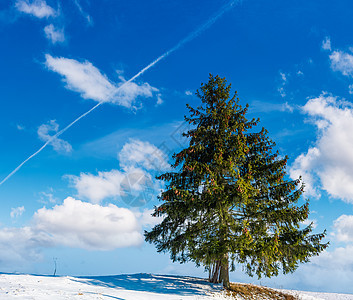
136, 287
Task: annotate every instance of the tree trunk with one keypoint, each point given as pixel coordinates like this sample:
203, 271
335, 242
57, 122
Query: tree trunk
215, 275
224, 272
219, 272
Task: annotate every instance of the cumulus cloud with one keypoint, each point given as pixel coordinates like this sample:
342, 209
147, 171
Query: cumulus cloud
344, 228
98, 187
74, 224
53, 34
342, 62
17, 212
328, 164
326, 43
304, 166
86, 79
59, 145
134, 184
89, 226
37, 8
145, 154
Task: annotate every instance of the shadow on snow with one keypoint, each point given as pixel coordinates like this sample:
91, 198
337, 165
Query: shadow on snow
162, 284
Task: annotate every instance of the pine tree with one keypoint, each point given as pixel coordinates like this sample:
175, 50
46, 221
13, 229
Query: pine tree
228, 199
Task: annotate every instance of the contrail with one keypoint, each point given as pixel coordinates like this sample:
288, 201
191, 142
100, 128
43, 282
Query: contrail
191, 36
188, 38
49, 141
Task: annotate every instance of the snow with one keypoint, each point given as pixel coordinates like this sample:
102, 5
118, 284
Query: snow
123, 287
320, 296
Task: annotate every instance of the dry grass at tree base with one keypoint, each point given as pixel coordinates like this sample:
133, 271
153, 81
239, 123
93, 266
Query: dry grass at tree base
254, 292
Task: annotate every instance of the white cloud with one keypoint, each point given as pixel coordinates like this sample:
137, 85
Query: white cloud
21, 245
133, 183
303, 166
83, 78
86, 79
20, 127
144, 154
281, 88
126, 92
328, 164
89, 226
74, 224
287, 107
17, 212
53, 34
59, 145
47, 197
344, 228
188, 93
342, 62
37, 8
350, 89
98, 187
326, 43
281, 91
146, 219
159, 99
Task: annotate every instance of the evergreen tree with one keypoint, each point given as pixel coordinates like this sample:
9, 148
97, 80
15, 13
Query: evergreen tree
228, 199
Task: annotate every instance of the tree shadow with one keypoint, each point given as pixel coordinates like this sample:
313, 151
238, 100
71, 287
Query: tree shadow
161, 284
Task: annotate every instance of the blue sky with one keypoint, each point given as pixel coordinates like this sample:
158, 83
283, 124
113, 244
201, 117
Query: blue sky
86, 197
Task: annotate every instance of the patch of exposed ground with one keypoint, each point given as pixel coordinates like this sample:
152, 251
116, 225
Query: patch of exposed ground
254, 292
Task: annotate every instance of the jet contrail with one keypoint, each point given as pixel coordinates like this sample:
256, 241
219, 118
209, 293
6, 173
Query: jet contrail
191, 36
48, 142
188, 38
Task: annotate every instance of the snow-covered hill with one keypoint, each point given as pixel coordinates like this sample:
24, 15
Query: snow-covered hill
121, 287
